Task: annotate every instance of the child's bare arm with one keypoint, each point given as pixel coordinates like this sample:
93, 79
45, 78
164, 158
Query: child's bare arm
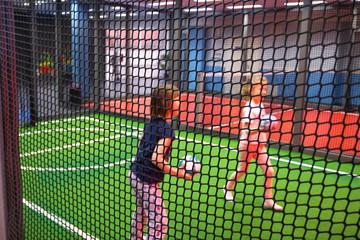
160, 162
140, 139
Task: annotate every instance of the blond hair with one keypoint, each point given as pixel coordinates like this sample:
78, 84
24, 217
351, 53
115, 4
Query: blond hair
162, 99
249, 83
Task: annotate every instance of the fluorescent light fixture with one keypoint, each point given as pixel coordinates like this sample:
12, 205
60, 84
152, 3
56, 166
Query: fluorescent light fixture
199, 9
210, 1
318, 2
294, 4
245, 7
103, 16
117, 8
124, 14
161, 4
152, 13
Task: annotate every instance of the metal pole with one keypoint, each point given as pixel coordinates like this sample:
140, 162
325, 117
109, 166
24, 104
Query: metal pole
3, 201
304, 41
33, 84
58, 46
128, 54
175, 46
347, 102
199, 100
9, 128
99, 56
245, 43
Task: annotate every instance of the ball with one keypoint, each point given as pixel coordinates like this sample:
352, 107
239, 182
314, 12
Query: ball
268, 122
191, 164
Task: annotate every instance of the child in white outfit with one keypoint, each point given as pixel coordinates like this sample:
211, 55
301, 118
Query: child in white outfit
252, 141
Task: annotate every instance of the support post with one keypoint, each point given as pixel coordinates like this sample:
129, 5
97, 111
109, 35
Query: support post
302, 71
9, 128
175, 46
34, 111
99, 55
3, 203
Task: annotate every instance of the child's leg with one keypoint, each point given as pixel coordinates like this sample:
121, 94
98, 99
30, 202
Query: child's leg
246, 154
158, 219
265, 165
139, 219
245, 159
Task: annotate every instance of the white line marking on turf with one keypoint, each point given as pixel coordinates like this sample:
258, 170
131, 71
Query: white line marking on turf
78, 168
277, 159
67, 129
77, 144
59, 221
63, 120
274, 158
315, 167
234, 149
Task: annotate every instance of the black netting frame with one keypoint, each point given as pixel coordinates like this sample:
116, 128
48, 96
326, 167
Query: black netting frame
77, 79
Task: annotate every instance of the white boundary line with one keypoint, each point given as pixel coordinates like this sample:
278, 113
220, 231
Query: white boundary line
87, 236
277, 159
66, 129
63, 120
78, 168
59, 221
196, 141
78, 144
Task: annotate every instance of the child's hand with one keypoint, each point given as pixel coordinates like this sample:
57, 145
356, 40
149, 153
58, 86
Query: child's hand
183, 174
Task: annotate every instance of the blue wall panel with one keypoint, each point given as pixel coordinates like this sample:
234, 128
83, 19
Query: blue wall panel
355, 89
80, 46
196, 54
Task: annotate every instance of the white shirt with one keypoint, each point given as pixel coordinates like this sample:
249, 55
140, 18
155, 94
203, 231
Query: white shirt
251, 114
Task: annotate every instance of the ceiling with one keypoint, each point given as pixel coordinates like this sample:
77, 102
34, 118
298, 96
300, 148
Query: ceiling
223, 5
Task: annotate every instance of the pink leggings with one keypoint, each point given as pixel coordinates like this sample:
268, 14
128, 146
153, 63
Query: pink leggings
149, 208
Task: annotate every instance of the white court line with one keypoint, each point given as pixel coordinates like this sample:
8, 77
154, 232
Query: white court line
274, 158
78, 168
67, 129
315, 167
77, 144
220, 146
59, 221
63, 120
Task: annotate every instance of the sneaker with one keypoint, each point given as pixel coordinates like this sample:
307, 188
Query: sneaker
228, 195
270, 204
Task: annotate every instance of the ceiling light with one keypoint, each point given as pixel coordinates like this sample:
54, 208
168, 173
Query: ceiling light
124, 14
152, 13
245, 7
161, 4
117, 8
199, 9
292, 4
201, 1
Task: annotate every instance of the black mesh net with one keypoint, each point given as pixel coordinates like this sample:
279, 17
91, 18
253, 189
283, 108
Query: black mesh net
185, 119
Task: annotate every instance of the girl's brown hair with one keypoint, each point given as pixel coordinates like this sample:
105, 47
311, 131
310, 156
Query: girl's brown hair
247, 85
162, 98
